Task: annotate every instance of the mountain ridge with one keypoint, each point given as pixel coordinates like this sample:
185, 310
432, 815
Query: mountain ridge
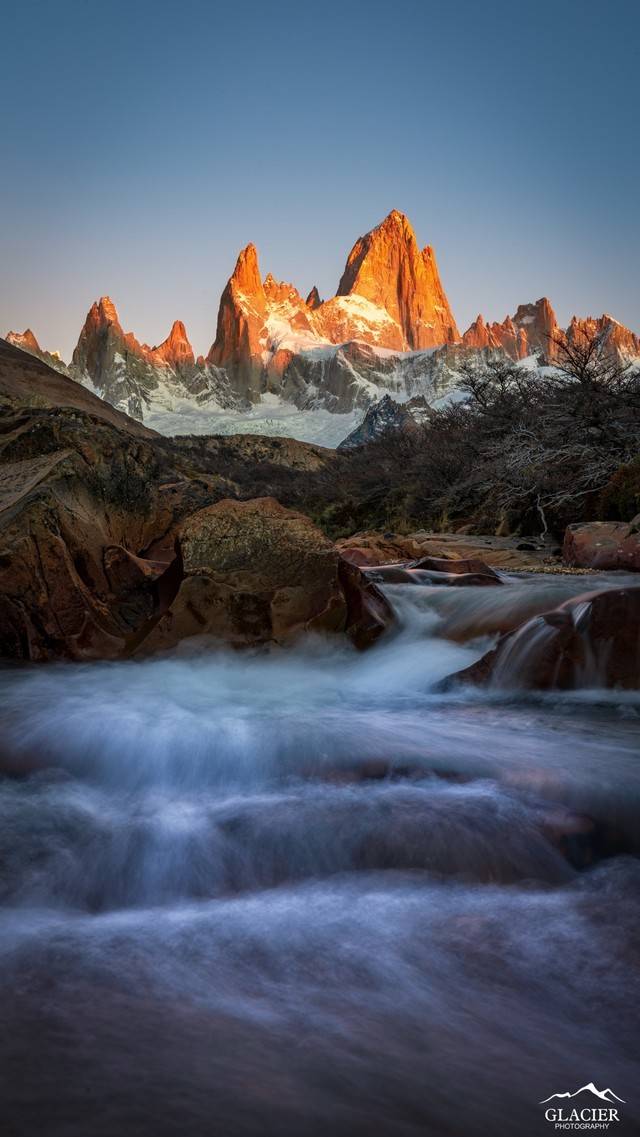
388, 330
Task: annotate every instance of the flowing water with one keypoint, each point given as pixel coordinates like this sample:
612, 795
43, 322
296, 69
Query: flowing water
307, 892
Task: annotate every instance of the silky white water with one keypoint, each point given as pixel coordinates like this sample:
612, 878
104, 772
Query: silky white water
305, 892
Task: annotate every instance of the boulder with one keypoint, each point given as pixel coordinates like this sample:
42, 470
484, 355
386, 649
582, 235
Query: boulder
89, 505
254, 572
592, 640
472, 569
72, 522
369, 613
603, 545
371, 548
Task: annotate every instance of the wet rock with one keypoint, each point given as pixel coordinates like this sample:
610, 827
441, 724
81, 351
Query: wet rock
371, 548
592, 640
471, 567
603, 545
255, 573
70, 586
369, 613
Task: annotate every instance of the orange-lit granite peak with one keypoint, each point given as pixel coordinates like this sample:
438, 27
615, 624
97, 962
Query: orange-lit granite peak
130, 374
238, 345
390, 297
176, 351
533, 330
27, 341
615, 336
387, 268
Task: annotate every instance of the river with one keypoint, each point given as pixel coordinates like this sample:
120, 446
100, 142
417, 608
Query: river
309, 892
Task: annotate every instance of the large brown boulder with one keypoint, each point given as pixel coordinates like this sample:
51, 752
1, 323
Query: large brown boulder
371, 548
254, 573
72, 521
592, 640
603, 545
89, 506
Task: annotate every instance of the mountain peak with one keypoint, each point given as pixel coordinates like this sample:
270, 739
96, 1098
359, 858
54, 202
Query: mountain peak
176, 349
387, 267
25, 340
396, 220
107, 311
313, 299
246, 274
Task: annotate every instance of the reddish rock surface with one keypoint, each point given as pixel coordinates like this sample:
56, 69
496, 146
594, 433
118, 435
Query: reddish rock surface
603, 545
103, 342
239, 342
592, 640
25, 340
537, 322
471, 566
69, 585
371, 547
255, 573
369, 613
390, 296
176, 350
616, 337
387, 267
533, 329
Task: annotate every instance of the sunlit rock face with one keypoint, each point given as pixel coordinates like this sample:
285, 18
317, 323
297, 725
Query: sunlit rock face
390, 298
533, 330
133, 375
388, 268
389, 329
618, 339
27, 341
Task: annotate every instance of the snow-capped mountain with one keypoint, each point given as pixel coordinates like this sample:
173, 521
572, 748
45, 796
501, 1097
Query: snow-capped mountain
388, 417
311, 368
140, 379
27, 342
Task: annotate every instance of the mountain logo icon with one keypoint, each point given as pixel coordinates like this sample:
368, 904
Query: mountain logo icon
604, 1095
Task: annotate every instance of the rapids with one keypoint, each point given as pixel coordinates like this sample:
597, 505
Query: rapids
306, 892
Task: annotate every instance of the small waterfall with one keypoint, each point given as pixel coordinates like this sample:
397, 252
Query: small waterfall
304, 891
522, 654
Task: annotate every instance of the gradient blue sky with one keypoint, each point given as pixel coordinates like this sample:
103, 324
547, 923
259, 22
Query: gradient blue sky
144, 143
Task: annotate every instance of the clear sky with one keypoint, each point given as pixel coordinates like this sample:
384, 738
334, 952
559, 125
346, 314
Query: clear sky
142, 144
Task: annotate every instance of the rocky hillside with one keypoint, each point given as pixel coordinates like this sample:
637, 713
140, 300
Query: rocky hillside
92, 551
27, 341
115, 540
134, 376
